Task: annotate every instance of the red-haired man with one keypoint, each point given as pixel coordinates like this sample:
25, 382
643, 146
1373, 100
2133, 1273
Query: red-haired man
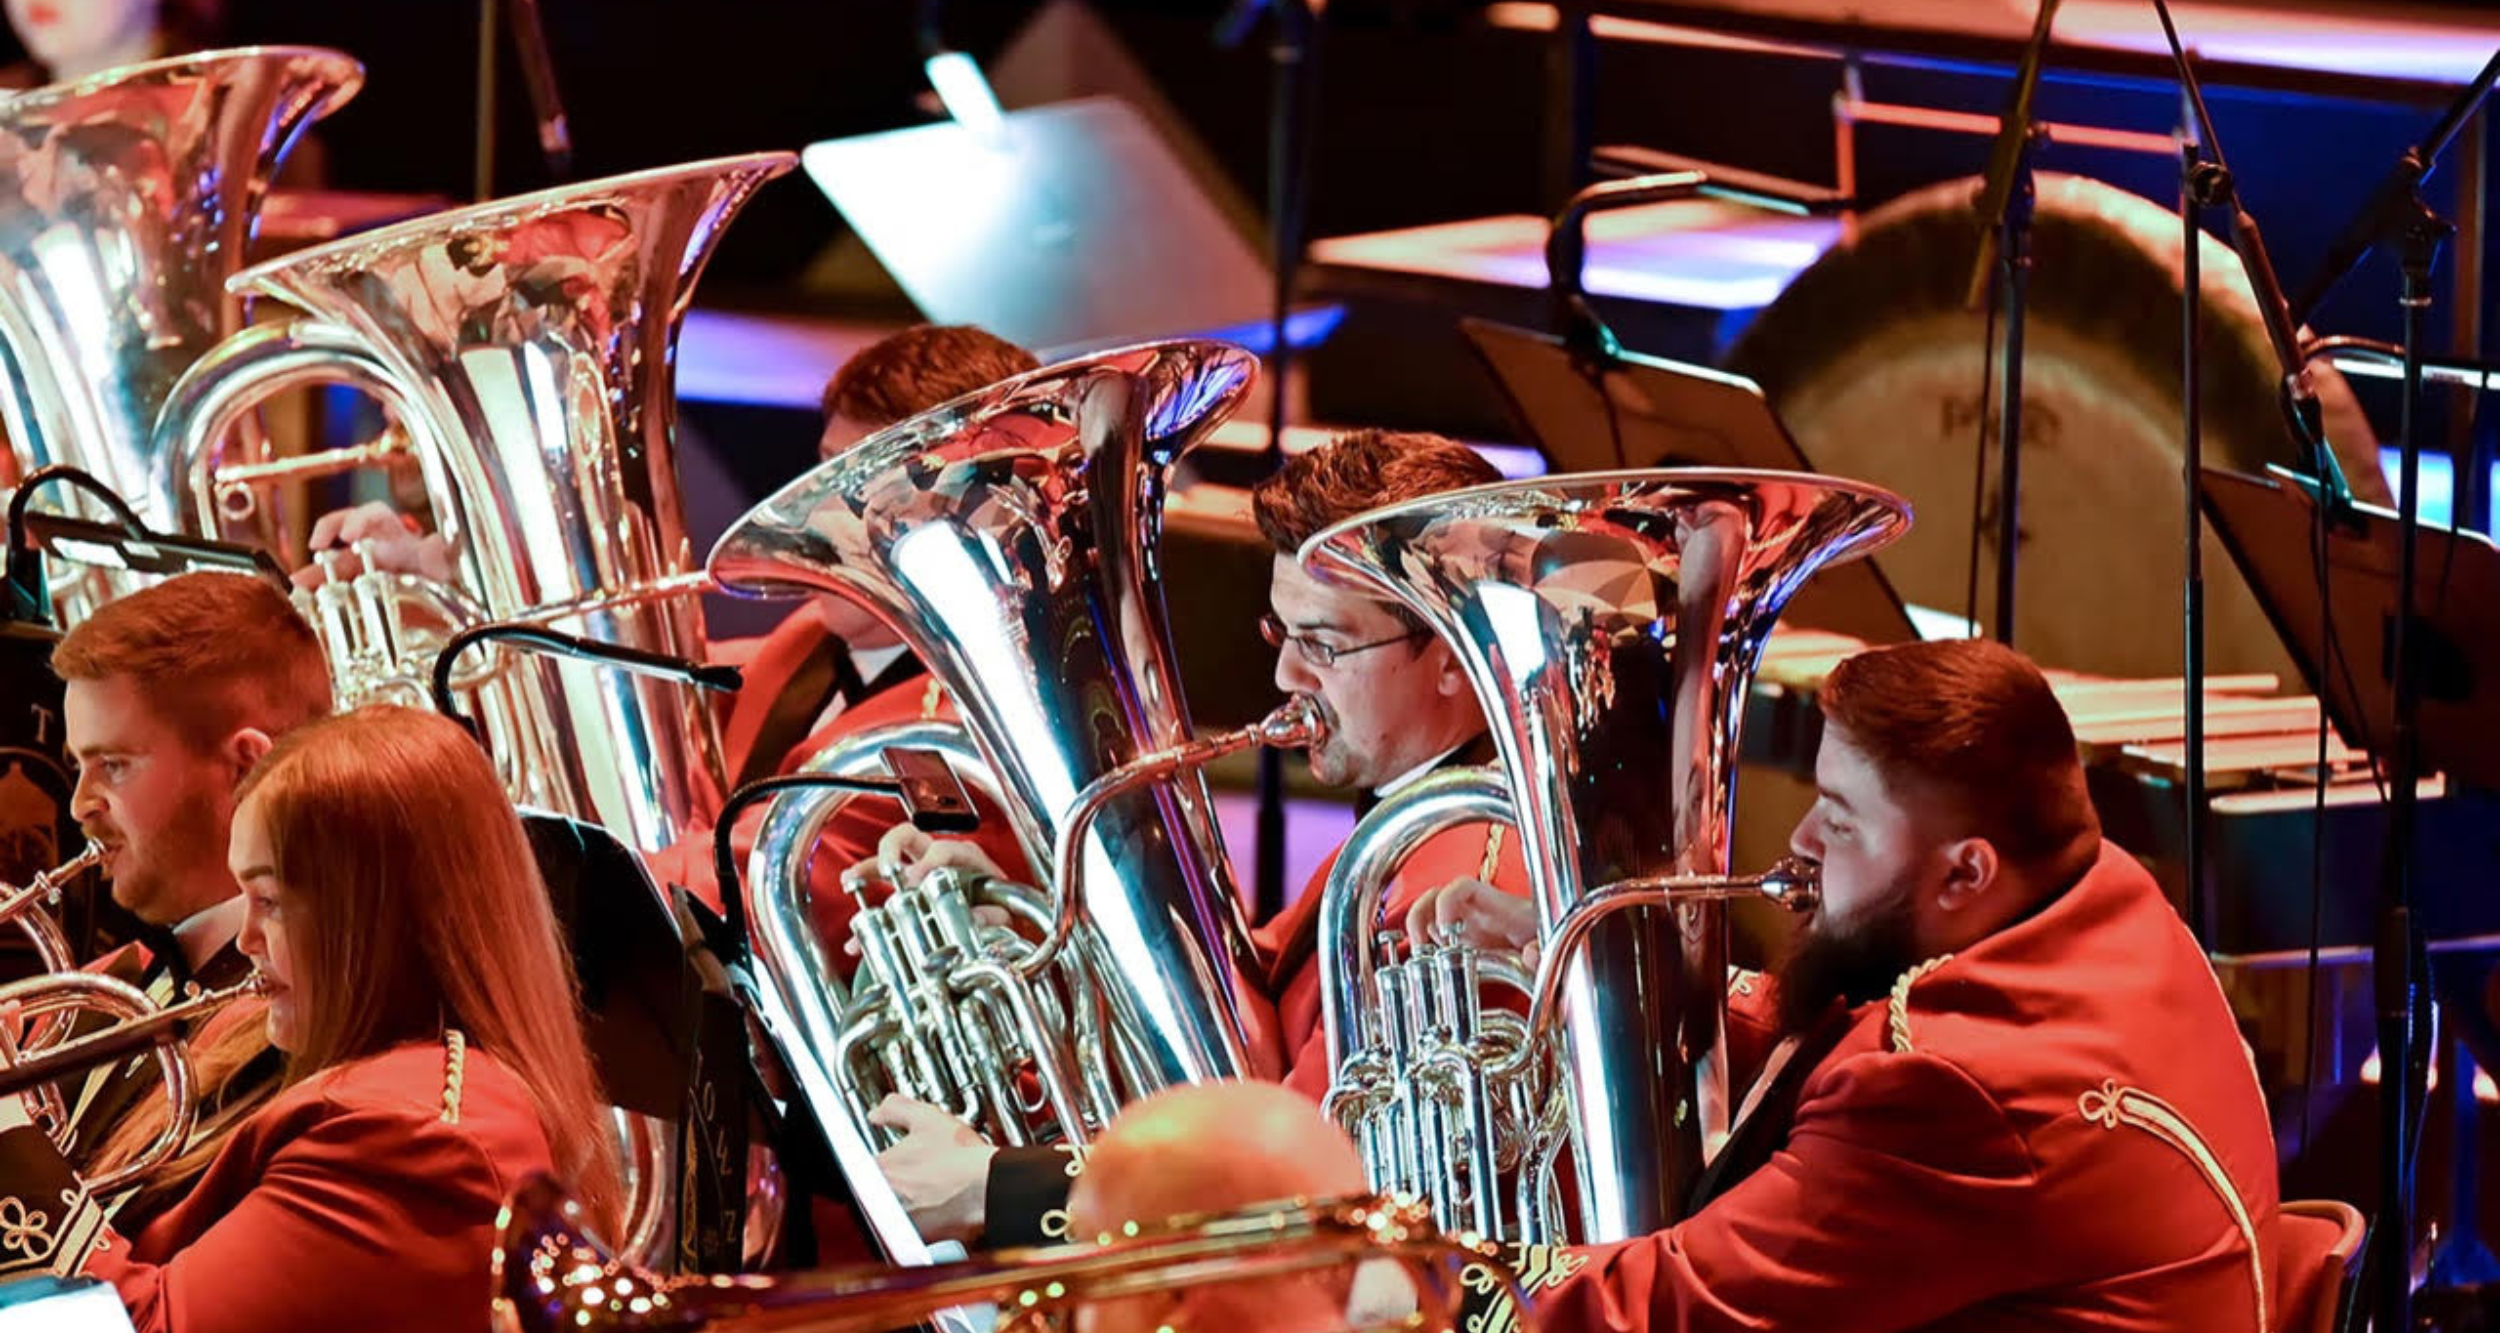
2013, 1094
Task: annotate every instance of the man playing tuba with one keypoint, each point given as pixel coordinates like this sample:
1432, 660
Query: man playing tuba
2010, 1090
1397, 707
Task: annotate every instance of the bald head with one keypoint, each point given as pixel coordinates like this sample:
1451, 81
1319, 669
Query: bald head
1209, 1148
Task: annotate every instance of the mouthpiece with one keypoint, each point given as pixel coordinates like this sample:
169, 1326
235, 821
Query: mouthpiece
1297, 723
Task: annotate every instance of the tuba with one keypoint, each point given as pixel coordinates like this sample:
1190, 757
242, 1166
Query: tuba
1611, 624
527, 350
1010, 537
551, 1276
126, 200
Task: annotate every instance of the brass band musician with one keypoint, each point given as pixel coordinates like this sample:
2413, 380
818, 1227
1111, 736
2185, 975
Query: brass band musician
2010, 1090
173, 694
434, 1056
1398, 707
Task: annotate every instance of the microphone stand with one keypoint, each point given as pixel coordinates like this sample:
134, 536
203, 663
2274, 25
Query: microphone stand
1293, 53
2005, 204
2399, 959
2191, 472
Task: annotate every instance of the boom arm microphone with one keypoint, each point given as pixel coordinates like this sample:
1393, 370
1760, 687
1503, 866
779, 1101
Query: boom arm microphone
702, 675
2014, 131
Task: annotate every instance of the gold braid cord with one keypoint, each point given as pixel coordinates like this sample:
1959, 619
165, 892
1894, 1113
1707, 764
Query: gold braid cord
1901, 999
455, 1066
2111, 1105
1492, 853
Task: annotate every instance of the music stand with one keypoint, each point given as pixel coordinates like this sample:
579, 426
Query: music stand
2268, 525
1654, 412
1064, 226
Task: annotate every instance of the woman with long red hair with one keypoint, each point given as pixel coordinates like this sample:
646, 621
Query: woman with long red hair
421, 992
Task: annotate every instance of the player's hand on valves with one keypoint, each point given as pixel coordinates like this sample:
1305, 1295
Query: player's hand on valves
388, 536
1473, 912
940, 1168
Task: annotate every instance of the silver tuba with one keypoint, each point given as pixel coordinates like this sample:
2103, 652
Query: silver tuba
1610, 624
126, 200
527, 349
1011, 538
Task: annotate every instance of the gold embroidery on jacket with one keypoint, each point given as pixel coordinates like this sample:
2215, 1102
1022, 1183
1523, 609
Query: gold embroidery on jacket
2109, 1106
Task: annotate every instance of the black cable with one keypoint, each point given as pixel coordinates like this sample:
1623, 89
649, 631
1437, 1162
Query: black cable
1979, 461
78, 477
2317, 836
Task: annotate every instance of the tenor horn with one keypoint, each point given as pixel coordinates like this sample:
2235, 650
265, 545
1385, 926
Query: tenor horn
1010, 538
126, 200
136, 1024
526, 349
1611, 624
550, 1275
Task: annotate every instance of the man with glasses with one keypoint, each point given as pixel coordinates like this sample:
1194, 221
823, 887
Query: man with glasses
1398, 706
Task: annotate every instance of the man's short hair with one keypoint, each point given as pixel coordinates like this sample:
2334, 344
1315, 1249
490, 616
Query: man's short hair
1974, 722
907, 373
1357, 471
220, 651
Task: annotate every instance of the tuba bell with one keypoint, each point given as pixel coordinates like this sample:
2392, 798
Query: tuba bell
527, 350
1611, 624
1010, 538
126, 200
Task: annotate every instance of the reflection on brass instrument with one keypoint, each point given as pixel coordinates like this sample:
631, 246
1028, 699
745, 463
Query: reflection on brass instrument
551, 1277
526, 349
1610, 623
30, 908
126, 199
1010, 538
137, 1025
1002, 1025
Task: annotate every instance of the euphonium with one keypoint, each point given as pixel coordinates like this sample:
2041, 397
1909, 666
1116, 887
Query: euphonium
1610, 624
527, 350
126, 199
999, 1022
551, 1276
1010, 538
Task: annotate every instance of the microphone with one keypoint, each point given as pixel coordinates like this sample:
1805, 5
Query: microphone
2014, 129
1566, 252
538, 72
702, 675
2392, 205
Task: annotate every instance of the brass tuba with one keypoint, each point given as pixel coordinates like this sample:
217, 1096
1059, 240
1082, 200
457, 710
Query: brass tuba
527, 349
1611, 624
1011, 538
126, 200
551, 1276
